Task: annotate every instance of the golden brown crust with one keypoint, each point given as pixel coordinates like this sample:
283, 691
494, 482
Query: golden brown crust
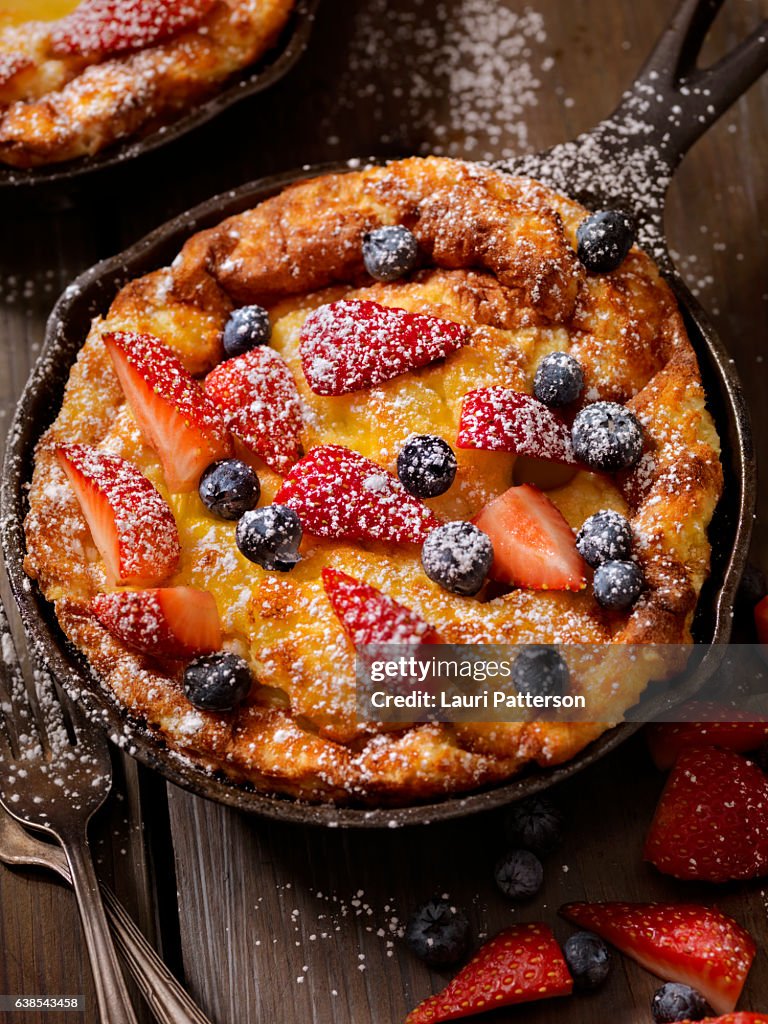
59, 109
510, 275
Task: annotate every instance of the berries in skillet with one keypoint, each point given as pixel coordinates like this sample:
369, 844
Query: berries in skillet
604, 239
426, 466
229, 488
217, 682
390, 252
247, 327
559, 379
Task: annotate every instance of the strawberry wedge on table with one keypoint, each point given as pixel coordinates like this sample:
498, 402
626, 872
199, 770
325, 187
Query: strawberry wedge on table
165, 622
742, 1017
100, 28
178, 420
533, 545
370, 617
260, 402
705, 726
499, 419
351, 344
683, 942
711, 824
520, 964
130, 522
339, 493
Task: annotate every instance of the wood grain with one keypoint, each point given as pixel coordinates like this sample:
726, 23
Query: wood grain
252, 894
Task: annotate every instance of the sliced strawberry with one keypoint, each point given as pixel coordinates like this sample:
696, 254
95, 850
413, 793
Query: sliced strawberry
533, 545
697, 946
169, 622
370, 617
99, 28
338, 493
712, 820
260, 402
705, 726
742, 1017
130, 522
519, 965
173, 412
498, 419
761, 620
349, 345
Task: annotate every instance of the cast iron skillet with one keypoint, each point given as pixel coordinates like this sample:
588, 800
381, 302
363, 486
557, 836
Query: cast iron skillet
659, 147
271, 67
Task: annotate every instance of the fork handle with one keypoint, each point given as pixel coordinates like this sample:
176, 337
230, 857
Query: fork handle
111, 993
168, 1001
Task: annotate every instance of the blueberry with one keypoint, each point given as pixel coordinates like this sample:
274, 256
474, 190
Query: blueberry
270, 536
519, 874
458, 556
675, 1001
559, 379
426, 466
536, 824
607, 436
438, 933
604, 239
588, 959
617, 585
217, 682
246, 328
540, 669
389, 252
604, 537
229, 488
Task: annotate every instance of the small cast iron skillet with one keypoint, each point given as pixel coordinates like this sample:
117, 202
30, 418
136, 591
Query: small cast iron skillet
611, 141
269, 69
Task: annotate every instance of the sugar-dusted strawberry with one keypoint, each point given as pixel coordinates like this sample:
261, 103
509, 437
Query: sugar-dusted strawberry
761, 620
519, 965
370, 617
705, 725
167, 622
339, 493
260, 402
130, 522
349, 345
100, 28
698, 946
173, 412
533, 545
712, 820
498, 419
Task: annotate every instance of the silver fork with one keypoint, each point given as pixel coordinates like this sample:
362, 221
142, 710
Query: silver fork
54, 778
165, 996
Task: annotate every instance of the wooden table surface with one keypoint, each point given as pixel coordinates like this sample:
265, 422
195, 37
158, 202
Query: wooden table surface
280, 924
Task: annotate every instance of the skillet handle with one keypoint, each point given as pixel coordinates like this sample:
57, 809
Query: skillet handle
677, 100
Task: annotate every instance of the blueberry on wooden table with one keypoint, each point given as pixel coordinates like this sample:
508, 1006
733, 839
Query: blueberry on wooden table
588, 959
438, 933
676, 1002
535, 824
519, 874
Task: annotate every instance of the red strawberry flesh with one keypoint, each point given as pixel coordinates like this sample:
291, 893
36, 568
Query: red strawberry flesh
98, 28
761, 620
339, 493
258, 398
706, 725
168, 622
711, 823
533, 545
370, 617
498, 419
519, 965
683, 942
350, 345
178, 420
130, 522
